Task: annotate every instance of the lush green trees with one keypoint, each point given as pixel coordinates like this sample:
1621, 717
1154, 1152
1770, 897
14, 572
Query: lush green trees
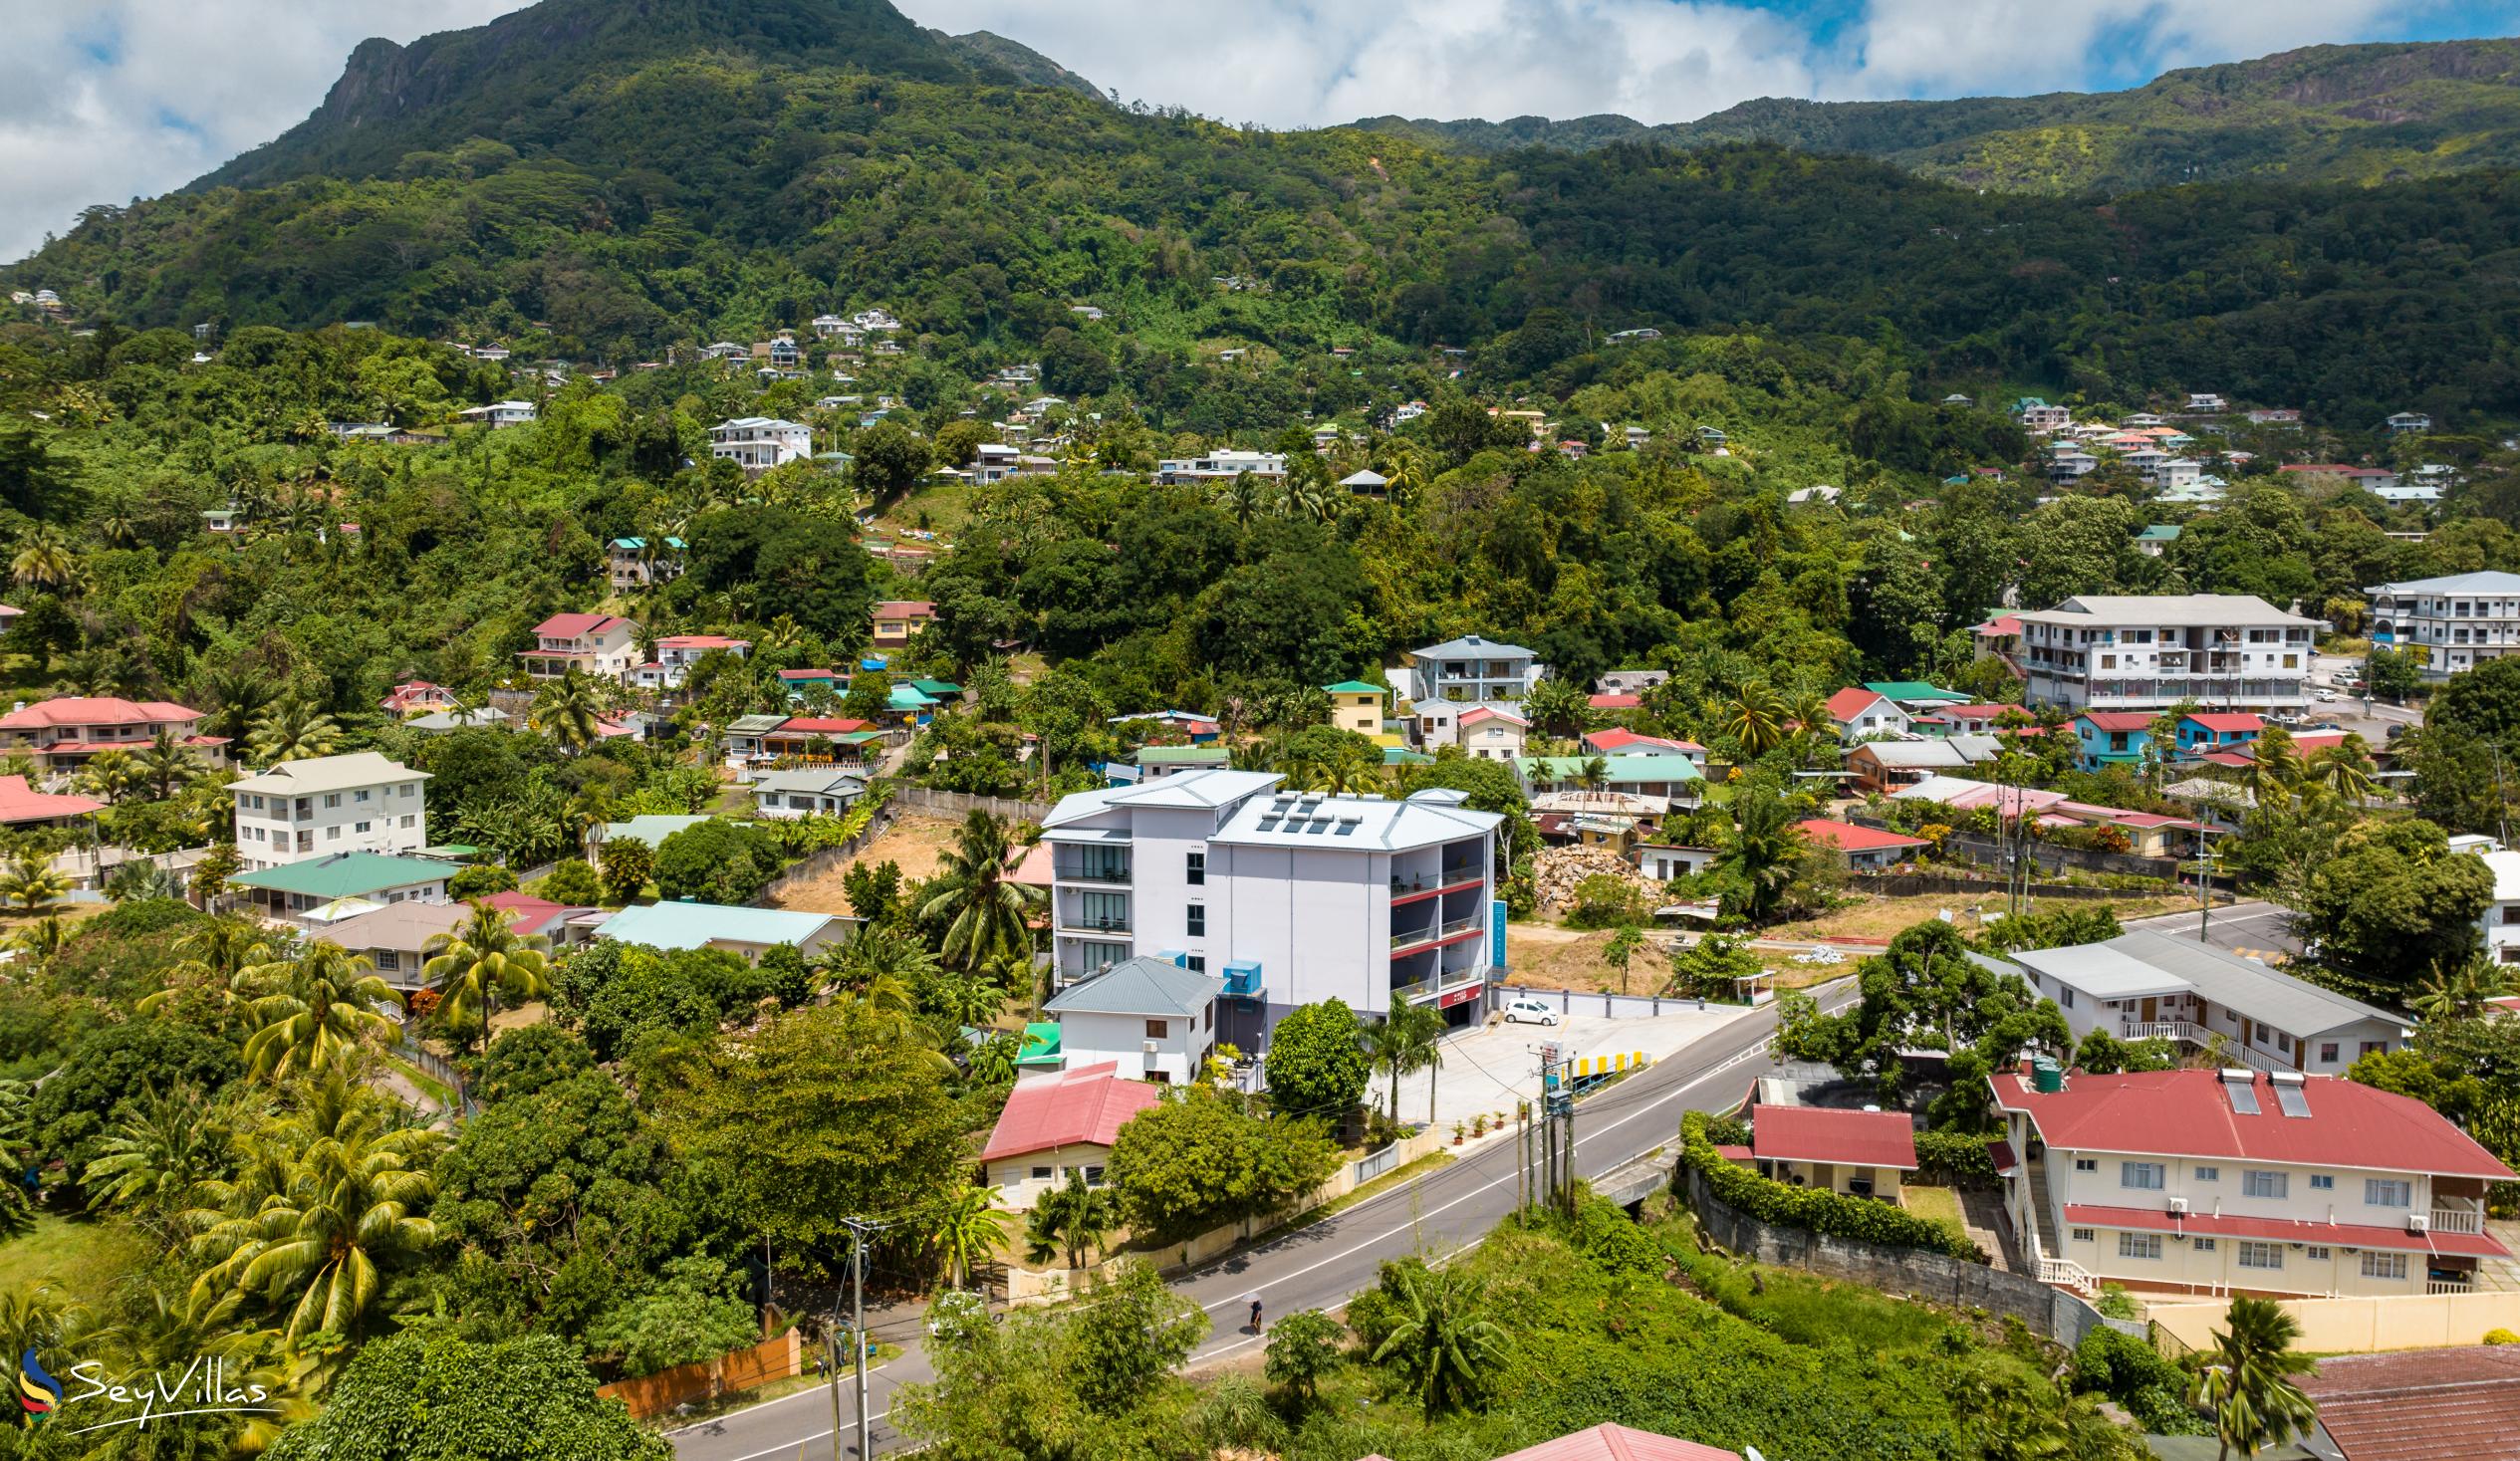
1765, 855
1069, 1221
716, 862
628, 865
1317, 1062
431, 1395
529, 1057
1303, 1347
975, 893
1441, 1342
1199, 1159
314, 1009
1401, 1043
1925, 988
2393, 902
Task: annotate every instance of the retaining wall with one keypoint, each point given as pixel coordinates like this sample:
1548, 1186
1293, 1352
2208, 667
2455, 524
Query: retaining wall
654, 1394
2359, 1326
1611, 1006
911, 797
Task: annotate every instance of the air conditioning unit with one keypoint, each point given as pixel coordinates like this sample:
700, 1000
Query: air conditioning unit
1151, 1047
2417, 1222
2178, 1204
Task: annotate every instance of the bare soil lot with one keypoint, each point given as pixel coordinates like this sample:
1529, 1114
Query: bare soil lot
913, 843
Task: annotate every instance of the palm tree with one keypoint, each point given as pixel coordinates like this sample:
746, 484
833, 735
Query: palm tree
1764, 855
991, 1061
975, 889
337, 1214
108, 774
158, 1154
42, 559
1242, 498
2275, 766
167, 764
1067, 1220
1404, 478
1622, 948
1595, 773
480, 961
1558, 707
29, 881
1444, 1342
216, 952
318, 1008
1402, 1042
971, 998
566, 709
238, 695
42, 940
962, 1230
1756, 718
2247, 1383
293, 730
2345, 768
2454, 992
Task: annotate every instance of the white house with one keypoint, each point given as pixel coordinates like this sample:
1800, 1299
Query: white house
1492, 732
2228, 651
1153, 1019
813, 791
1291, 897
676, 653
750, 932
300, 810
758, 443
1860, 712
503, 413
601, 645
2146, 985
2240, 1181
1222, 467
1058, 1124
2453, 622
2500, 924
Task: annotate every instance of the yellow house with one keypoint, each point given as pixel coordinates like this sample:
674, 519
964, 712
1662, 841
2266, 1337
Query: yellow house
1357, 706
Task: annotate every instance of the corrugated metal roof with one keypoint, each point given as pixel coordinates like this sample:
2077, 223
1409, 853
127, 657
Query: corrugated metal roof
1144, 985
2293, 1006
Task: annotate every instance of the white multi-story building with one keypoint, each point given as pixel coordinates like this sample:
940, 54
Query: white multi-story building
2450, 624
502, 413
1289, 898
1222, 467
2240, 1181
676, 653
2500, 924
2116, 653
2147, 986
302, 810
601, 645
1447, 681
758, 443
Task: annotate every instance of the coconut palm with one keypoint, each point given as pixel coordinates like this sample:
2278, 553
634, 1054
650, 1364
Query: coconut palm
29, 882
1067, 1221
315, 1010
2275, 767
2344, 768
238, 695
163, 1149
292, 729
480, 961
2248, 1384
109, 776
1404, 475
1762, 857
1444, 1342
1400, 1044
972, 998
566, 709
1242, 498
42, 940
962, 1230
338, 1212
1756, 718
991, 1061
215, 952
167, 764
42, 559
977, 889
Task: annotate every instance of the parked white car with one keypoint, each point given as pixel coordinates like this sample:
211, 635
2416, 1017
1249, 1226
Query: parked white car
1528, 1011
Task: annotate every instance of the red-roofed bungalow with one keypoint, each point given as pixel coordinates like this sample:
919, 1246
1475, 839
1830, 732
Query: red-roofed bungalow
61, 734
1862, 846
1860, 1153
1053, 1124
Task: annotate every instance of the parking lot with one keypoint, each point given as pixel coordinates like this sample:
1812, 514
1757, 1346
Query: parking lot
1486, 1070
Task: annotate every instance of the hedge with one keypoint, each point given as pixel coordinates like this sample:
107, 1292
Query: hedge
1814, 1208
1955, 1157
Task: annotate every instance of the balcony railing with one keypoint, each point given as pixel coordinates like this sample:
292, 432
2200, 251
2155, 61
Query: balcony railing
1438, 983
1433, 931
1105, 925
1089, 875
2199, 1036
2457, 1220
2448, 1285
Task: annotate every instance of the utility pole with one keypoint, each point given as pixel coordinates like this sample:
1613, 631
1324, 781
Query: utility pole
859, 1230
2204, 885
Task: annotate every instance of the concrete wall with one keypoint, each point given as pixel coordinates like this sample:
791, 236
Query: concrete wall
1912, 884
2050, 1312
1608, 1006
2046, 855
2360, 1326
913, 798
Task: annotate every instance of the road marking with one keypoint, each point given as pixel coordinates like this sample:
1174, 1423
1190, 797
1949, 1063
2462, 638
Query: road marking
793, 1447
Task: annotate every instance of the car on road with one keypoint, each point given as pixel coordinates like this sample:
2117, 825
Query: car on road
1527, 1011
2327, 694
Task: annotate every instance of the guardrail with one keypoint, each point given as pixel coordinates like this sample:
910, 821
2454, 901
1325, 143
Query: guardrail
2199, 1036
2457, 1220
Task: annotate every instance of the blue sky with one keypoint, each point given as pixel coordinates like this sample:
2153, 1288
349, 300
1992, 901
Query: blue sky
103, 101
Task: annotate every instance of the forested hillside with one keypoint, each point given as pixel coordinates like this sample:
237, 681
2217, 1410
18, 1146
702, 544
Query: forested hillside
2335, 114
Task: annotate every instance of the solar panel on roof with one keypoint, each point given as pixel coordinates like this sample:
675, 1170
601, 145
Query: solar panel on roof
2243, 1096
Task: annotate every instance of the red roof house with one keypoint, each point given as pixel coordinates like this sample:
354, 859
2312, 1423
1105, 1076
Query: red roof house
1620, 740
1618, 702
2423, 1404
1806, 1134
1620, 1443
1054, 1122
1861, 847
23, 806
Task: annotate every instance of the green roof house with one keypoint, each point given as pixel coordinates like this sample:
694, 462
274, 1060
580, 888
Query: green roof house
746, 931
294, 889
1910, 693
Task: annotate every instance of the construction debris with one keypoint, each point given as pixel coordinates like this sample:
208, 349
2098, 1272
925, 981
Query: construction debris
1556, 871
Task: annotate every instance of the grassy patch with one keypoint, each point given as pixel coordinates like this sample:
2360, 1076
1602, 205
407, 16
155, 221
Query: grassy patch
430, 1087
78, 1257
1935, 1204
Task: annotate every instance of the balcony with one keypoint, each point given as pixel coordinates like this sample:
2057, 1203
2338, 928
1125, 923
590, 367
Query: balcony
1079, 872
2448, 1285
1437, 932
1413, 889
2199, 1036
1438, 983
2459, 1220
1105, 923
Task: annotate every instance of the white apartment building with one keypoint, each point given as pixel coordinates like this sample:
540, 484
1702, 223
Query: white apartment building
2452, 624
503, 413
676, 653
1222, 467
2145, 986
1289, 898
2500, 924
302, 810
2125, 652
2240, 1181
1156, 1019
601, 645
758, 443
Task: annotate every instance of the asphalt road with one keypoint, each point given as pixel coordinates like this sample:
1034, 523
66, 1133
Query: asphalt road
1320, 1265
2251, 930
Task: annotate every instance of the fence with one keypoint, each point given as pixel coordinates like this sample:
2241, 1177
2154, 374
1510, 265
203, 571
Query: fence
1911, 884
2048, 856
1611, 1006
927, 800
815, 864
2052, 1312
2356, 1325
438, 1068
654, 1394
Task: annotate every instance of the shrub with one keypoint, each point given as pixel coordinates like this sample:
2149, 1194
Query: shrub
1954, 1158
480, 880
716, 863
1372, 1316
2501, 1337
1606, 900
572, 882
2131, 1372
1814, 1208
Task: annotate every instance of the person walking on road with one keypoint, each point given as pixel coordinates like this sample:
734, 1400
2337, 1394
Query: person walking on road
1255, 1314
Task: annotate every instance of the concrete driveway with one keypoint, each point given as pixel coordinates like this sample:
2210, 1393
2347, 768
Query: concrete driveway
1486, 1070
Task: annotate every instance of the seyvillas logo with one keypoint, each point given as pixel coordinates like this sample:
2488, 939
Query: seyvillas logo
38, 1391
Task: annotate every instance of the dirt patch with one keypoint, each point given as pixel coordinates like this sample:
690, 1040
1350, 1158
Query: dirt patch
1881, 919
913, 843
1546, 956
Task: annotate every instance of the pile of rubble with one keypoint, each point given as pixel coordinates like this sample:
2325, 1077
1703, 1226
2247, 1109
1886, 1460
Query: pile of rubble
1555, 872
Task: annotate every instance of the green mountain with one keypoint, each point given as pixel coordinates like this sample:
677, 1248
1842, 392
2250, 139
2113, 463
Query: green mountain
577, 185
2343, 114
1026, 65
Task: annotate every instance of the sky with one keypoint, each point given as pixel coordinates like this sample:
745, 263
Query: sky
104, 101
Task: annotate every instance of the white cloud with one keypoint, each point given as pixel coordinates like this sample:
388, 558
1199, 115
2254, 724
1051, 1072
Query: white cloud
108, 100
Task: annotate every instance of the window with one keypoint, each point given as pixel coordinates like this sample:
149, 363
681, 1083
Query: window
362, 827
1094, 1176
389, 961
2150, 1176
1196, 913
2384, 1265
2323, 1182
2204, 1244
2138, 1245
2083, 1235
1197, 872
2327, 1051
2087, 1163
1196, 963
2373, 1046
1044, 1174
2318, 1254
2387, 1192
1159, 1029
2064, 995
361, 797
2209, 1174
333, 834
2261, 1255
331, 800
406, 819
2265, 1184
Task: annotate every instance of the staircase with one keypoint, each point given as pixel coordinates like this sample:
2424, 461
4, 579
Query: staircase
2042, 1214
2044, 1246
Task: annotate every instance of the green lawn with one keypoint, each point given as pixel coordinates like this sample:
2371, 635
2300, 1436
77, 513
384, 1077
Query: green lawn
941, 509
1934, 1204
82, 1259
